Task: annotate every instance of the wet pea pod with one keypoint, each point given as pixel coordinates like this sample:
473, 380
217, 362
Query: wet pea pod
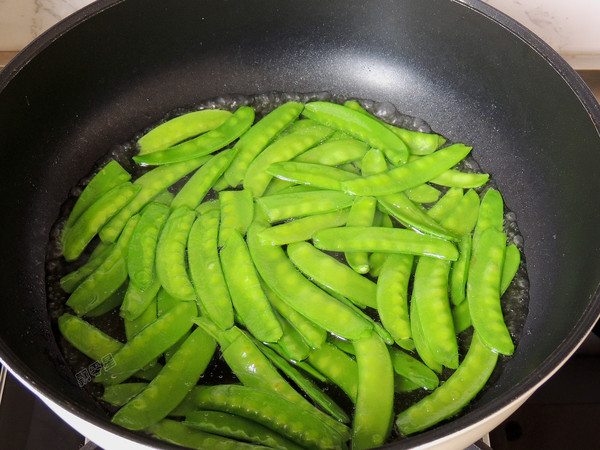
334, 152
360, 126
149, 315
362, 214
491, 214
233, 127
206, 271
421, 345
70, 281
120, 394
374, 402
454, 394
236, 427
237, 210
86, 338
414, 370
456, 178
137, 300
445, 204
286, 206
258, 137
87, 225
381, 239
337, 366
291, 342
512, 261
170, 386
409, 175
247, 295
106, 278
423, 193
181, 128
316, 175
279, 414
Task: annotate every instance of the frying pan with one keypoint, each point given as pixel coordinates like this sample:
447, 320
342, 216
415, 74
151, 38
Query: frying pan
118, 66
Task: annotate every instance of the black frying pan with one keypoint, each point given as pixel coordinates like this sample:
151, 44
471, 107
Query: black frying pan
474, 75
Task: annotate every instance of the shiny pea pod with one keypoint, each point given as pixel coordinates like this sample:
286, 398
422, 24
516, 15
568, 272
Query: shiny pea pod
491, 214
409, 175
258, 137
460, 270
316, 175
88, 339
461, 317
153, 183
181, 128
454, 394
136, 300
334, 152
381, 239
196, 188
291, 342
206, 271
280, 415
421, 346
113, 301
70, 281
171, 267
170, 386
512, 261
247, 296
445, 204
236, 427
120, 394
237, 210
204, 144
360, 126
414, 370
456, 178
374, 402
149, 343
107, 277
141, 253
134, 326
361, 214
286, 206
463, 217
377, 259
83, 230
423, 193
337, 366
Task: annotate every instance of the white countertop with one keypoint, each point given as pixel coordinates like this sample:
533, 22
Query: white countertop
572, 28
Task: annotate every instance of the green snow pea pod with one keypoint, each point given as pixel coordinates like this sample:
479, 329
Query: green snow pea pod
247, 295
460, 270
236, 427
423, 193
403, 384
445, 204
342, 344
392, 296
285, 148
361, 214
461, 317
258, 137
171, 254
360, 126
149, 343
236, 125
271, 410
109, 177
337, 366
112, 302
237, 210
413, 369
307, 368
491, 214
107, 277
419, 340
149, 315
374, 402
316, 175
283, 278
69, 282
142, 247
277, 186
304, 228
483, 291
292, 342
120, 394
334, 152
83, 230
330, 272
512, 260
181, 128
153, 183
409, 175
136, 300
373, 162
456, 178
418, 143
381, 239
207, 206
206, 272
171, 385
462, 219
430, 293
164, 303
286, 206
196, 188
179, 433
88, 339
454, 394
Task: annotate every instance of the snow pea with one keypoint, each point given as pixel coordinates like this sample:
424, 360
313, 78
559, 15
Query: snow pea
285, 148
491, 214
142, 247
463, 217
381, 239
107, 277
456, 178
149, 343
87, 225
86, 338
392, 296
304, 228
361, 214
421, 346
334, 152
237, 210
196, 188
171, 385
327, 270
374, 402
233, 127
413, 369
149, 315
287, 206
283, 278
423, 193
69, 282
120, 394
209, 205
137, 300
292, 342
181, 128
409, 175
316, 175
337, 366
454, 394
247, 296
113, 301
153, 183
359, 126
445, 204
206, 271
512, 261
258, 137
461, 317
460, 270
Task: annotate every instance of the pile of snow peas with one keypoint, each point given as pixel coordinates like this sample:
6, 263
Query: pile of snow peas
314, 250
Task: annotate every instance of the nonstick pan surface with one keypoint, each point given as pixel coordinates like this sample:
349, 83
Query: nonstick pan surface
117, 67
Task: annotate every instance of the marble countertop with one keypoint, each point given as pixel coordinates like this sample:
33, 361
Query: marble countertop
571, 28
